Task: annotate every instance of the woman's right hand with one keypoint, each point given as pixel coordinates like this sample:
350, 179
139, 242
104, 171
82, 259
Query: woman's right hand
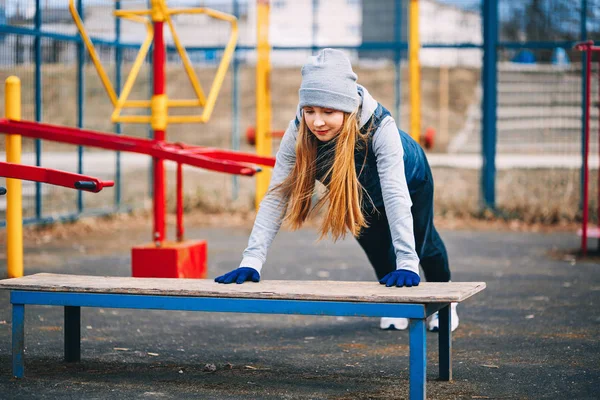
239, 275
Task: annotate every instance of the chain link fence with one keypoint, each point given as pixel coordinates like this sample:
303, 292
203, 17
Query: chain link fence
539, 92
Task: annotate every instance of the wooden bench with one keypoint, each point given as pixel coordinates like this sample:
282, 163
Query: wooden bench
353, 299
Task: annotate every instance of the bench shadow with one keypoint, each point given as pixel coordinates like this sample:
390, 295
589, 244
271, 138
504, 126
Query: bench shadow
94, 376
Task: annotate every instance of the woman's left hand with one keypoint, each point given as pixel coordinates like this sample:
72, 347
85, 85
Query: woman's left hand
401, 277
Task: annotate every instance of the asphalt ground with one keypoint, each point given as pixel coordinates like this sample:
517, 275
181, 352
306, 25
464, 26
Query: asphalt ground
532, 334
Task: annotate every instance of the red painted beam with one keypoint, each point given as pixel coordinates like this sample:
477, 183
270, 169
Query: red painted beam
583, 46
213, 159
222, 154
53, 177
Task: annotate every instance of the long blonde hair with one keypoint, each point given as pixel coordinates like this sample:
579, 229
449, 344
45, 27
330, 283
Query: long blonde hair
344, 194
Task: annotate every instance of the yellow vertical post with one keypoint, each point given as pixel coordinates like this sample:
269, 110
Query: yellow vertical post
263, 96
414, 70
444, 105
14, 210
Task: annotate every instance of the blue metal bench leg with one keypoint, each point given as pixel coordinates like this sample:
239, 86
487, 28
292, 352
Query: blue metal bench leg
418, 359
18, 340
445, 343
72, 333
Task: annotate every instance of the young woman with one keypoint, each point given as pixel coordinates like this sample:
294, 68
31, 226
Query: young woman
379, 184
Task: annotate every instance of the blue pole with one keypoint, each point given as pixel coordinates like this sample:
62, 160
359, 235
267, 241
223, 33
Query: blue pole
315, 26
38, 104
584, 114
235, 134
118, 131
18, 339
80, 100
490, 93
398, 58
150, 93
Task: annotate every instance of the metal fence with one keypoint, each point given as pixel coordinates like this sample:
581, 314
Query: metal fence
495, 85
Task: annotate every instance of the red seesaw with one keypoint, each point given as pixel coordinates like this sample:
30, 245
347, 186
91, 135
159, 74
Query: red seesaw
181, 259
52, 176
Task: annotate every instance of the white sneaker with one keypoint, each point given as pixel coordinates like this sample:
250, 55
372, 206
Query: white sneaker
434, 324
398, 324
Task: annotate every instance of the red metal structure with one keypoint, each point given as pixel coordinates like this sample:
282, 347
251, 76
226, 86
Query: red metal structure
53, 177
213, 159
589, 48
159, 134
160, 258
251, 135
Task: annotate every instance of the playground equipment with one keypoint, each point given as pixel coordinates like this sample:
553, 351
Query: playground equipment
414, 45
154, 19
182, 258
159, 104
261, 136
17, 172
251, 135
160, 258
54, 177
585, 231
179, 259
351, 299
264, 142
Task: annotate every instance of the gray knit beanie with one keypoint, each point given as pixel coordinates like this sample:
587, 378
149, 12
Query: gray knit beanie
328, 81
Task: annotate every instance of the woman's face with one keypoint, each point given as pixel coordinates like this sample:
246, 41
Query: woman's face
324, 123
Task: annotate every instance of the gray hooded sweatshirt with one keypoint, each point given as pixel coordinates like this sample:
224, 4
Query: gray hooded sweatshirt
388, 151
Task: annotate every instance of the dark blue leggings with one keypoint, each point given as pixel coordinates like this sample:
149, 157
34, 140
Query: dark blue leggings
376, 239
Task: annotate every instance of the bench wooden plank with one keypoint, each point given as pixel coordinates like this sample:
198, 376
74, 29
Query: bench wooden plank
368, 292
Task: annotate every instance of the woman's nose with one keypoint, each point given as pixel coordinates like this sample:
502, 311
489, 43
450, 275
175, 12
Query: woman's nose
319, 122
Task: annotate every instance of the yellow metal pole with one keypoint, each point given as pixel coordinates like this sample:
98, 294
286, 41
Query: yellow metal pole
444, 105
414, 70
263, 96
14, 210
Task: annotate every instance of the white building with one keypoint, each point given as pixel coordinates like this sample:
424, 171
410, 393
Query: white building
446, 24
293, 23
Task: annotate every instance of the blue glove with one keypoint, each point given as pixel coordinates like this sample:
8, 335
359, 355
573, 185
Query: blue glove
401, 277
239, 275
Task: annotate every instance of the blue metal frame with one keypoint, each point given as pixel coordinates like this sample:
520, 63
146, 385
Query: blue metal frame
397, 61
18, 339
235, 104
9, 29
584, 114
89, 212
397, 45
218, 304
80, 104
72, 333
74, 301
38, 104
150, 61
118, 130
393, 45
445, 343
315, 26
489, 105
418, 359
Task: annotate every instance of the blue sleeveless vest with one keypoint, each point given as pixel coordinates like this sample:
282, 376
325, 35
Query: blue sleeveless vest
415, 163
